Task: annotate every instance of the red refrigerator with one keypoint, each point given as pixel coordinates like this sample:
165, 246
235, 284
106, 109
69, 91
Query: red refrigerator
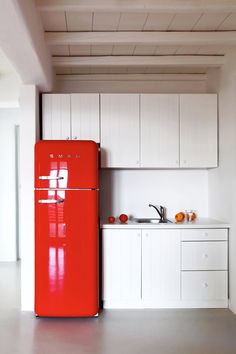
66, 228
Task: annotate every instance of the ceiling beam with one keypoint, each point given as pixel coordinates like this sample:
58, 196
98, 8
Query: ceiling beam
141, 38
22, 41
132, 77
176, 6
177, 60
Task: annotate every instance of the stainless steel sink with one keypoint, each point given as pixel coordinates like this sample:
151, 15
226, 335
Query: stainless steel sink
150, 221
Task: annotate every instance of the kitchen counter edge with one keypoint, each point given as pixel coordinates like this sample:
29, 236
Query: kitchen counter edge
201, 223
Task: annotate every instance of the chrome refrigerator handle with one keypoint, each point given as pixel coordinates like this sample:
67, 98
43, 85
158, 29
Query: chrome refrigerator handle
50, 177
50, 201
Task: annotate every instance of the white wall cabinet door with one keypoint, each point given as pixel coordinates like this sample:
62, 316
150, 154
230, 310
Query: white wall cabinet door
56, 117
121, 265
198, 130
120, 130
159, 130
85, 117
161, 272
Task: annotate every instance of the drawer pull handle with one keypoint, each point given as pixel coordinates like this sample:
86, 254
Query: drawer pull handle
205, 255
206, 234
205, 284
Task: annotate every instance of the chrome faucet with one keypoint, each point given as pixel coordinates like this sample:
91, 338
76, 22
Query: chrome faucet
160, 210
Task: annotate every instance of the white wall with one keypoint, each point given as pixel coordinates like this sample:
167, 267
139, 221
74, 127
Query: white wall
9, 90
9, 118
130, 192
28, 135
222, 181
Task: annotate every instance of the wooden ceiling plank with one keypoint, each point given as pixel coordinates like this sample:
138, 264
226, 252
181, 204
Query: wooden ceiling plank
229, 24
101, 49
212, 61
59, 50
135, 77
158, 22
132, 21
178, 6
83, 50
55, 22
141, 38
77, 21
105, 21
210, 22
144, 50
123, 49
184, 22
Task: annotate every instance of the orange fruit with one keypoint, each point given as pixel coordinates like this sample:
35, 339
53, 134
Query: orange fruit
179, 217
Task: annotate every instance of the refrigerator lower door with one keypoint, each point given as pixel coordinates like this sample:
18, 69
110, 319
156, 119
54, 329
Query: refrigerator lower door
66, 253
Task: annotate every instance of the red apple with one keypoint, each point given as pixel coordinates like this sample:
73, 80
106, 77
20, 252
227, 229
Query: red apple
111, 219
123, 218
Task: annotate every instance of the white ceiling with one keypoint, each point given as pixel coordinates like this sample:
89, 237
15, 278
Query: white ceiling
114, 21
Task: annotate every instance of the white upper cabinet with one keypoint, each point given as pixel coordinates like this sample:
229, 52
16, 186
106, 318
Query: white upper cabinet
120, 130
138, 130
74, 116
160, 265
56, 116
159, 130
198, 130
85, 117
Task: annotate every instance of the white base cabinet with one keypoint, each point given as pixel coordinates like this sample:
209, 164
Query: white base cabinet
160, 265
122, 265
171, 268
204, 286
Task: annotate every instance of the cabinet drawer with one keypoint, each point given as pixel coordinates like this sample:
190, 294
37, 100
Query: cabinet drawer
204, 234
204, 255
205, 285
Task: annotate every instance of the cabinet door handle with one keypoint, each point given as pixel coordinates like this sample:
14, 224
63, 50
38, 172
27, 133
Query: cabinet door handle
67, 138
205, 284
205, 255
75, 137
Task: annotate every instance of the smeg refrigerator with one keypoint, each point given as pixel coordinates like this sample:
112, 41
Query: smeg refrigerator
66, 228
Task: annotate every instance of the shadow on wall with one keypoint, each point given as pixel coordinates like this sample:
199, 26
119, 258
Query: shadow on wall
106, 201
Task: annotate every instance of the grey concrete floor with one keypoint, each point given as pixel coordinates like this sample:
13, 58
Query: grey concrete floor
115, 331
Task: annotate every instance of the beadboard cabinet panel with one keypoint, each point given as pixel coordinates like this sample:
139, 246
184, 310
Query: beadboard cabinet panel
159, 130
120, 130
160, 265
208, 286
85, 117
210, 255
121, 265
56, 116
198, 130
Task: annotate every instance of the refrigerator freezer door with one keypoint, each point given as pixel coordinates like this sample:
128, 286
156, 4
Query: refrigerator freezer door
66, 253
66, 164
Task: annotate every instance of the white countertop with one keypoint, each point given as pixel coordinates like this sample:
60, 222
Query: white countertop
200, 223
